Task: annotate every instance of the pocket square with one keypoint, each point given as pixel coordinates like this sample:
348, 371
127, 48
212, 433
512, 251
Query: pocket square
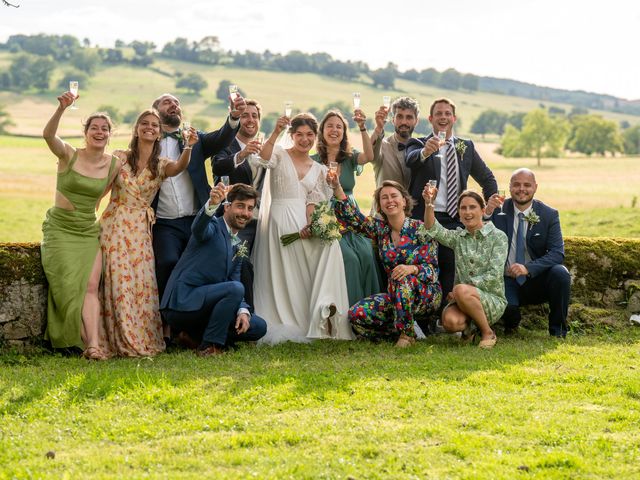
536, 234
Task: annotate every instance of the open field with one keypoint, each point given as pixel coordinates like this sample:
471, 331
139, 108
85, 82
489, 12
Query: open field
594, 195
533, 408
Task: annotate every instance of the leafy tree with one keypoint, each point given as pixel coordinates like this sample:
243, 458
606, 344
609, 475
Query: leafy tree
490, 121
429, 76
130, 116
5, 120
222, 93
385, 77
450, 79
470, 82
593, 134
294, 61
631, 138
541, 135
192, 81
208, 50
517, 119
80, 77
553, 110
345, 70
268, 122
112, 111
411, 74
111, 56
86, 60
29, 71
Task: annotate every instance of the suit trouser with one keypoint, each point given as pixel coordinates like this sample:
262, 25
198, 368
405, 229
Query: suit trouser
553, 286
446, 258
215, 320
170, 239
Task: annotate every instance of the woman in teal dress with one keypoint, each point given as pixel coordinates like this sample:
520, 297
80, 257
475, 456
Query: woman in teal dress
357, 251
71, 255
477, 300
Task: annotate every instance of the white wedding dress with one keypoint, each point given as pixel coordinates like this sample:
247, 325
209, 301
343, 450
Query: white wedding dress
296, 285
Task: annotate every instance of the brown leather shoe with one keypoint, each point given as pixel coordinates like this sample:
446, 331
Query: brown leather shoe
405, 341
185, 341
210, 351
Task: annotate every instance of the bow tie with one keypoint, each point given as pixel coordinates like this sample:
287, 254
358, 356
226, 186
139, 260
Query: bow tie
175, 134
401, 146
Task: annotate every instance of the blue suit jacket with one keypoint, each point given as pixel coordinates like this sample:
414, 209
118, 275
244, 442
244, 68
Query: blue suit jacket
223, 164
544, 239
207, 145
431, 168
207, 260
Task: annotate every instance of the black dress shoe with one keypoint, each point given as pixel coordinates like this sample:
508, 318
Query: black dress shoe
185, 341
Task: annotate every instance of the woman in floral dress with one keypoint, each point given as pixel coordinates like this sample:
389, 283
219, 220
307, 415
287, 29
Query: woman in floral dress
131, 324
477, 299
409, 260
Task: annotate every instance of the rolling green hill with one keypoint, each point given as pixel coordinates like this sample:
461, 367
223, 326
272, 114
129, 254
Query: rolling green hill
127, 88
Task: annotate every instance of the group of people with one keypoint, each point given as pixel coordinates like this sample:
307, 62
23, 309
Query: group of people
174, 260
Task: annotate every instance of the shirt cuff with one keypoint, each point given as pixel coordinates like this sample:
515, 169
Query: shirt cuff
422, 156
244, 310
233, 123
210, 209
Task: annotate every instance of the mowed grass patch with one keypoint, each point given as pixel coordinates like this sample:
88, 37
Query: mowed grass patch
531, 408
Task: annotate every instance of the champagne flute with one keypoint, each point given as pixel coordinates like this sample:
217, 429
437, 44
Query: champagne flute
386, 103
432, 184
501, 196
259, 138
356, 100
225, 181
288, 108
442, 140
233, 92
186, 127
73, 88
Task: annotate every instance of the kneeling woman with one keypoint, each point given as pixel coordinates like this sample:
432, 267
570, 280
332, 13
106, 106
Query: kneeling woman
409, 260
477, 299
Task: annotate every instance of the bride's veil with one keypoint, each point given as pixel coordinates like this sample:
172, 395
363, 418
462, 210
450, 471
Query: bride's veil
285, 141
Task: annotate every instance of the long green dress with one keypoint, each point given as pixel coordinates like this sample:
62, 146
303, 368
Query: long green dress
68, 250
357, 251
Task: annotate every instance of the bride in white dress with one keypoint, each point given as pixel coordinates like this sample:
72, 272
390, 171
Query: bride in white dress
300, 289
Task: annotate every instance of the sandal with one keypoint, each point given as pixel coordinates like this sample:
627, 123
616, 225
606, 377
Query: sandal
93, 353
489, 342
405, 341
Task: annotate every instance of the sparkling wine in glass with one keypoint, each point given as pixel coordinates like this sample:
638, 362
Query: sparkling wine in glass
225, 181
233, 92
73, 88
259, 139
442, 140
186, 127
502, 195
333, 167
386, 103
288, 108
432, 184
356, 100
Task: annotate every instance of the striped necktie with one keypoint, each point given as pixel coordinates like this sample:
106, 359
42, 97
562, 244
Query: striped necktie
452, 180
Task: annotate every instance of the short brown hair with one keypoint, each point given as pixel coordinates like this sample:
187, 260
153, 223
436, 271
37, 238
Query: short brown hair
241, 191
442, 100
303, 119
250, 101
403, 191
475, 195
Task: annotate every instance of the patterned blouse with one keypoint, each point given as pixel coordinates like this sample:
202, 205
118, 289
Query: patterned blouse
480, 260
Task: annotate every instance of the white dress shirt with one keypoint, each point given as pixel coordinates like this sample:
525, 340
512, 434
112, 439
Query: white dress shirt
177, 196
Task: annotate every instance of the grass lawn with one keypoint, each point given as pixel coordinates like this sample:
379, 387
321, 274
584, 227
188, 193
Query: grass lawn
533, 407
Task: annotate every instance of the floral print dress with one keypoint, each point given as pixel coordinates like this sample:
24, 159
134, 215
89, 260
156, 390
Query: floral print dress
130, 313
387, 315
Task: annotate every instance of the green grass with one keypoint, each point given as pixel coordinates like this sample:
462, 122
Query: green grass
531, 408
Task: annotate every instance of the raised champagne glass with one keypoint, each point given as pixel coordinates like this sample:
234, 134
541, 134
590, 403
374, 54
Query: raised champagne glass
234, 92
501, 196
73, 88
225, 181
442, 140
186, 127
386, 103
356, 100
288, 108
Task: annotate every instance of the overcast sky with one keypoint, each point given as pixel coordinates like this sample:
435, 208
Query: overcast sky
573, 44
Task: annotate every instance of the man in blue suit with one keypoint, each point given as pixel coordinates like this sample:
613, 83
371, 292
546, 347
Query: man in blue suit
449, 162
233, 161
204, 295
180, 197
534, 272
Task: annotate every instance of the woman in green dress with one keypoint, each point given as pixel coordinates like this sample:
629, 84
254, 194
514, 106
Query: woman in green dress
71, 254
477, 300
334, 151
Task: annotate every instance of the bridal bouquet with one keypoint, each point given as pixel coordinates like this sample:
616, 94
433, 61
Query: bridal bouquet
324, 226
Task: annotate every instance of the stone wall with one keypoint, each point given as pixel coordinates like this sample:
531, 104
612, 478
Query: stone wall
605, 274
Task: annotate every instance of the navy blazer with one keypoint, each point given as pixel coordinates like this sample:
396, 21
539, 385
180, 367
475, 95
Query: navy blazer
544, 239
431, 168
223, 164
207, 260
207, 145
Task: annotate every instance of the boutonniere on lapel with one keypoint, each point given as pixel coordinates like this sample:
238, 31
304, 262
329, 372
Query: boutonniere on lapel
461, 147
242, 251
532, 218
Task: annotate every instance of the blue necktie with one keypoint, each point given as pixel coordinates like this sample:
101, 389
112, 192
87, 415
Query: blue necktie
520, 243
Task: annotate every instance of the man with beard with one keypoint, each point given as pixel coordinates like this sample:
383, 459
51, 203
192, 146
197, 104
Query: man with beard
204, 295
449, 161
388, 153
180, 197
233, 161
534, 271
